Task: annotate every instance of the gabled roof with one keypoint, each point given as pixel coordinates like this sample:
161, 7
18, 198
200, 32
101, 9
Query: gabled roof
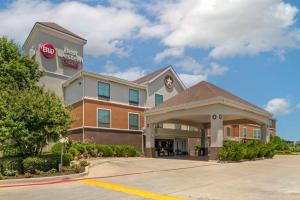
60, 29
154, 75
150, 76
202, 91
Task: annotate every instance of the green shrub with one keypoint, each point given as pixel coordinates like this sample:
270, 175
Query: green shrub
31, 164
270, 151
251, 150
103, 150
84, 163
74, 151
80, 148
51, 171
1, 177
45, 162
11, 163
10, 172
131, 151
56, 148
232, 151
91, 150
69, 157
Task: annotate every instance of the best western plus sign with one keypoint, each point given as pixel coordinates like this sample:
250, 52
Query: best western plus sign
48, 50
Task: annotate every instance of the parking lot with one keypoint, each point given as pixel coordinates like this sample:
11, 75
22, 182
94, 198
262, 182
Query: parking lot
146, 178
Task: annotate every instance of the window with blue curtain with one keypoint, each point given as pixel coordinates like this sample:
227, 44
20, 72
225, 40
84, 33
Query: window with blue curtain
158, 99
103, 118
133, 96
133, 121
103, 89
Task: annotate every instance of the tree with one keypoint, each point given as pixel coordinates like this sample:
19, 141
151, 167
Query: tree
16, 70
29, 116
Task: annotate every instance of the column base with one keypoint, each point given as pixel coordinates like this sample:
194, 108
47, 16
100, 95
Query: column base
213, 152
149, 152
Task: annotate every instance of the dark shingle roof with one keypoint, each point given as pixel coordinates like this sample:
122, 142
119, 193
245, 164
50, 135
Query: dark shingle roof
202, 91
59, 28
150, 76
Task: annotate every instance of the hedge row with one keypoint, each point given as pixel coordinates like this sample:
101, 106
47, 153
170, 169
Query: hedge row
11, 166
98, 150
236, 151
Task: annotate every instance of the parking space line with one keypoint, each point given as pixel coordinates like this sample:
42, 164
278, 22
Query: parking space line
129, 190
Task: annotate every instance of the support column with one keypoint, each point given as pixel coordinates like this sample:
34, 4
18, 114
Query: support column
217, 137
150, 143
265, 137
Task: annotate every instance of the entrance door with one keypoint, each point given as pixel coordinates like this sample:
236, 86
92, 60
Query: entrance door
164, 147
180, 147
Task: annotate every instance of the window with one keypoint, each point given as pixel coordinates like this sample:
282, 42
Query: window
133, 121
158, 99
245, 132
159, 125
256, 133
178, 126
103, 118
133, 96
104, 90
270, 123
228, 131
191, 129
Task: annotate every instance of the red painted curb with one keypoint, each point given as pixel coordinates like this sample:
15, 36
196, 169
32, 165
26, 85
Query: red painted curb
112, 176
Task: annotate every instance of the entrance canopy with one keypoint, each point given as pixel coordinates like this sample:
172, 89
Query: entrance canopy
205, 105
196, 106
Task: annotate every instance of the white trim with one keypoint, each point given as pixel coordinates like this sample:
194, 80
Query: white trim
53, 32
112, 102
95, 127
117, 103
57, 74
101, 77
138, 119
174, 73
206, 102
108, 109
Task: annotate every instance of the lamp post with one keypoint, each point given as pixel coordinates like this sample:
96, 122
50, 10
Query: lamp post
62, 140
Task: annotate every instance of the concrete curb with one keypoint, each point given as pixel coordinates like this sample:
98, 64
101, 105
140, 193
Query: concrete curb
44, 179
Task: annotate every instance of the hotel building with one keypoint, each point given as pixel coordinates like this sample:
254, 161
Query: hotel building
156, 113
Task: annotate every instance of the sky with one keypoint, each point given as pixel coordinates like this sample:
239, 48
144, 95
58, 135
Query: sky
250, 48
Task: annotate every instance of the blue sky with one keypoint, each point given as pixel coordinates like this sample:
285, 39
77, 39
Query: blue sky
250, 48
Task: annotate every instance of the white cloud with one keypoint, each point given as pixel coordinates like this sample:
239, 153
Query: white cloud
228, 27
110, 67
129, 74
105, 27
216, 70
172, 52
280, 106
191, 79
198, 72
298, 105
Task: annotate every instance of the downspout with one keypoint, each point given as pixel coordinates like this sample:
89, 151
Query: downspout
83, 110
